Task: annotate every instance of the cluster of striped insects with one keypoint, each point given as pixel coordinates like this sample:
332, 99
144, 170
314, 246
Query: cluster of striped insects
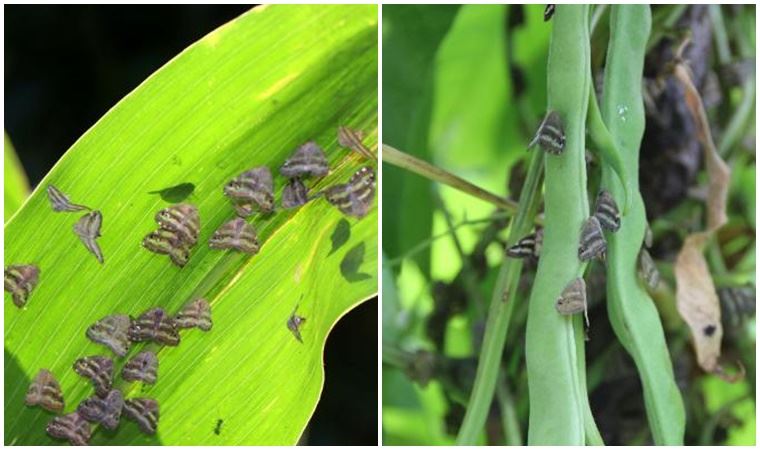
253, 191
178, 231
117, 332
592, 244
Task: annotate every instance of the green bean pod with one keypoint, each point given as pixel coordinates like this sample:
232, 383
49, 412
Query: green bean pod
632, 312
557, 397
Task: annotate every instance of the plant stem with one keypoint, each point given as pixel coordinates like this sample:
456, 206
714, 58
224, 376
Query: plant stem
427, 170
428, 242
500, 313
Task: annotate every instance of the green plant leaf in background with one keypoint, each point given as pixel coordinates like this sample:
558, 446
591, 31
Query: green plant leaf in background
15, 182
245, 95
411, 35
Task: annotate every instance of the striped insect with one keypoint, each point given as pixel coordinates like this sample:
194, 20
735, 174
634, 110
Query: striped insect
168, 242
251, 188
183, 220
60, 201
355, 197
72, 427
572, 300
19, 281
606, 210
104, 411
237, 234
294, 324
111, 331
99, 369
353, 139
144, 411
737, 303
143, 367
592, 242
647, 270
529, 246
550, 135
307, 160
294, 194
195, 314
549, 12
45, 392
154, 325
88, 230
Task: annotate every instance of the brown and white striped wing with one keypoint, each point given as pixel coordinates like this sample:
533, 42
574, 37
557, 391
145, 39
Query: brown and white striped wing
143, 367
154, 325
19, 281
72, 427
573, 298
144, 411
168, 242
306, 160
183, 219
592, 242
529, 246
60, 202
88, 229
236, 234
550, 135
355, 197
45, 392
294, 194
195, 314
648, 270
105, 411
606, 211
111, 331
99, 369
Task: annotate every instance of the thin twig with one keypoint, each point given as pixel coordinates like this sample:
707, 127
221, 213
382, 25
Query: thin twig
429, 171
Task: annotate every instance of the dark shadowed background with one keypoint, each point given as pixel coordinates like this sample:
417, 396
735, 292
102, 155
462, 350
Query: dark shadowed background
65, 66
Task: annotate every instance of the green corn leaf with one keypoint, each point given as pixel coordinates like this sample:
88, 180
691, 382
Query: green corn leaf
245, 95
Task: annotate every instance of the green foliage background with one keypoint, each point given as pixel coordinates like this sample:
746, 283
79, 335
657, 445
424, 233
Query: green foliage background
448, 98
245, 95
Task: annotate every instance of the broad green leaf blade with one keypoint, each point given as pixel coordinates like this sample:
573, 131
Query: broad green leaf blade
15, 182
245, 95
411, 36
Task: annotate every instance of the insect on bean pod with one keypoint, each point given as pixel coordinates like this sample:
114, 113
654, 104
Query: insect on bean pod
550, 135
648, 272
592, 242
573, 299
529, 246
606, 210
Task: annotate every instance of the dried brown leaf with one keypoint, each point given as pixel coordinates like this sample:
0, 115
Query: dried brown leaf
697, 300
717, 170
